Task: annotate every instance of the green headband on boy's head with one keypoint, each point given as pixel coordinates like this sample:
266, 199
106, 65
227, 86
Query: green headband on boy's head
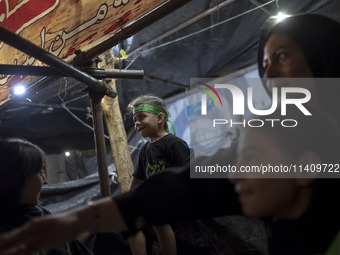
154, 110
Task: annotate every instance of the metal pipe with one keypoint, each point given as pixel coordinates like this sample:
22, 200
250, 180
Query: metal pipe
29, 70
68, 70
98, 73
101, 73
99, 139
54, 106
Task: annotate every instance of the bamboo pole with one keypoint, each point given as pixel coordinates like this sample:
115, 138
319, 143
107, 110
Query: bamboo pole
115, 124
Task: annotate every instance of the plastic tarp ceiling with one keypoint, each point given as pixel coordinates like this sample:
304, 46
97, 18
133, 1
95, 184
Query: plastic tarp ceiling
222, 42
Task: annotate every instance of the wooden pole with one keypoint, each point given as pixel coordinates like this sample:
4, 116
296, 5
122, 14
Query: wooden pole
116, 129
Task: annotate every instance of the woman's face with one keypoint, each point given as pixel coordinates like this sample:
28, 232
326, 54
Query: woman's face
30, 193
263, 197
283, 58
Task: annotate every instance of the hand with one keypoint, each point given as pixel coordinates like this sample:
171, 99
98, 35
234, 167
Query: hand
39, 233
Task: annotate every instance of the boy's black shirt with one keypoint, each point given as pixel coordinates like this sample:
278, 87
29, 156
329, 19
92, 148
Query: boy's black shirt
169, 151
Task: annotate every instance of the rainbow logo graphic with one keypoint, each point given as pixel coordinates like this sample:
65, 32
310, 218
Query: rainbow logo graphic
204, 97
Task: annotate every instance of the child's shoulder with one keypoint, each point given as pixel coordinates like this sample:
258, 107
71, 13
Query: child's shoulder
171, 139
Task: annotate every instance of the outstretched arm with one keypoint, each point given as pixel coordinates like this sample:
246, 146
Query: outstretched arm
170, 196
54, 230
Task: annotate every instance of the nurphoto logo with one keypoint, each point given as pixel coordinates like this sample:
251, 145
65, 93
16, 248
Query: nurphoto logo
301, 97
204, 97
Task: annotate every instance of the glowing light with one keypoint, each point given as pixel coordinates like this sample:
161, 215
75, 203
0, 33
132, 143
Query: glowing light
19, 90
67, 153
281, 16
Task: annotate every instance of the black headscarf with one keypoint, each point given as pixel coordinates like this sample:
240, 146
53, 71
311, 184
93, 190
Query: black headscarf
319, 38
317, 35
19, 159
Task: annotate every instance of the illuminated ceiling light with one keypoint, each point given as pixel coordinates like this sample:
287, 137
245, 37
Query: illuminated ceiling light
67, 153
281, 16
19, 90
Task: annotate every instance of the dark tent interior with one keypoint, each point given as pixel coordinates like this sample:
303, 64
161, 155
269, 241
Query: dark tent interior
210, 44
203, 38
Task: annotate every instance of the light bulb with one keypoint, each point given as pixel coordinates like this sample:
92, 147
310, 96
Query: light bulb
281, 16
19, 90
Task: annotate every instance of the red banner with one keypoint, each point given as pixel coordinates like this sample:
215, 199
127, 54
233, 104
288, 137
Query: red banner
62, 27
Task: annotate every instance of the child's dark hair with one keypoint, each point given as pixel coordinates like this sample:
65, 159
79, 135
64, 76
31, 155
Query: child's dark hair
20, 159
151, 100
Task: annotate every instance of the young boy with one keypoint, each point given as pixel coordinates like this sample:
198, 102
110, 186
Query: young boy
164, 150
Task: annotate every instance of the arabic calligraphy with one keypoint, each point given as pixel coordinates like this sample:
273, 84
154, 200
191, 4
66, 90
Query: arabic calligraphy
61, 38
24, 13
101, 13
117, 3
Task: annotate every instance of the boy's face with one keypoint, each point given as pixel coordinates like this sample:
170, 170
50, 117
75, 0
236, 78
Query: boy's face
263, 197
147, 124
